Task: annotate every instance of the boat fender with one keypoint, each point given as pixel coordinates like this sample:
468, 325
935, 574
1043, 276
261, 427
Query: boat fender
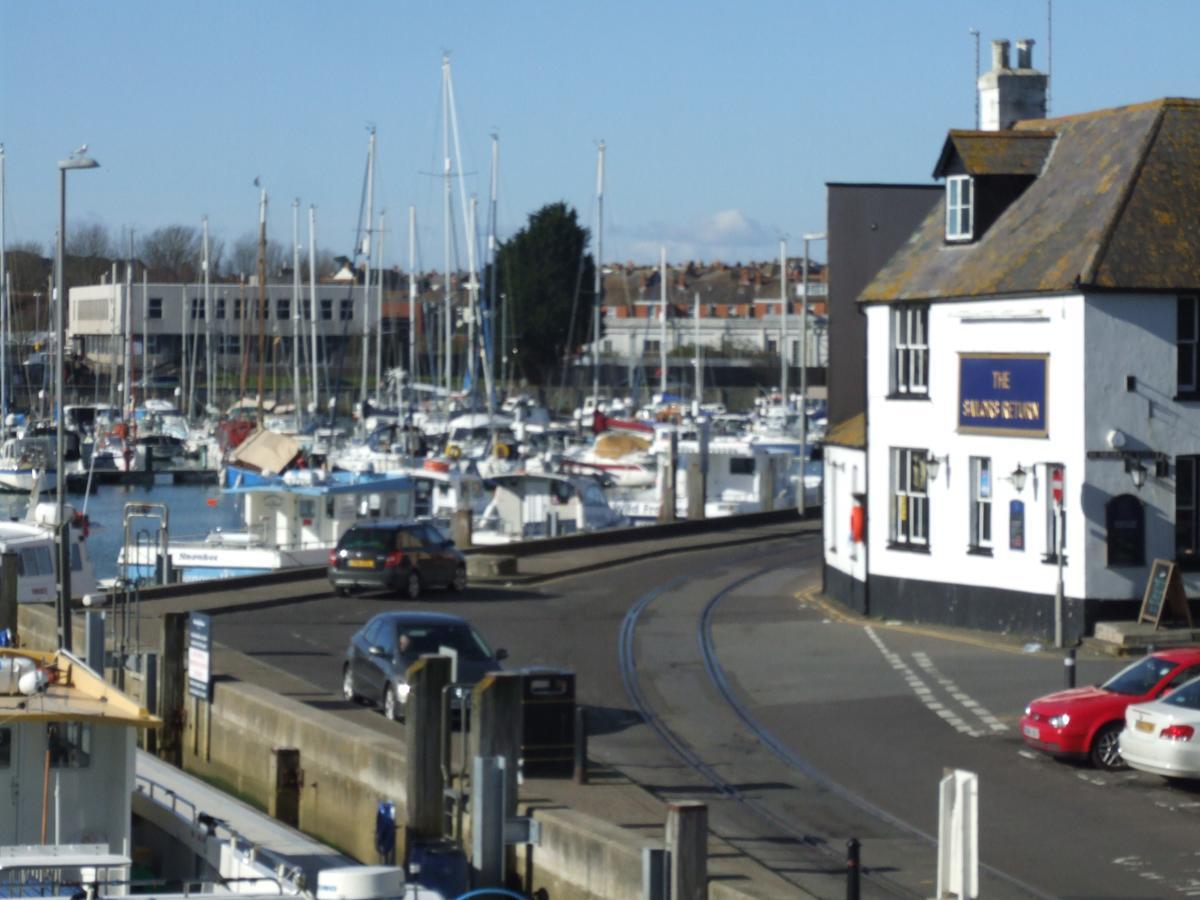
858, 517
502, 451
453, 451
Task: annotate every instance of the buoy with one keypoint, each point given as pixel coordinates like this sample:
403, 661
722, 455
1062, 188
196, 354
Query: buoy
858, 517
453, 451
436, 465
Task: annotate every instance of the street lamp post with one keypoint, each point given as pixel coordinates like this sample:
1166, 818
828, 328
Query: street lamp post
76, 160
819, 236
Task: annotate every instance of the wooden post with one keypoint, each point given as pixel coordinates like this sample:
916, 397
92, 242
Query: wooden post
461, 523
666, 494
687, 842
766, 481
497, 722
423, 735
173, 687
8, 593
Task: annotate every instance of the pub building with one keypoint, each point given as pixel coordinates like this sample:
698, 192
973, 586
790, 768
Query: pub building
1036, 337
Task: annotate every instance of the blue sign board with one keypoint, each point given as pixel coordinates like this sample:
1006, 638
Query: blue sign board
200, 655
1003, 393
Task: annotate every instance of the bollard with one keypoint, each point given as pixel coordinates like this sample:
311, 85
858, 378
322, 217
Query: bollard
687, 844
423, 735
852, 868
1069, 666
581, 770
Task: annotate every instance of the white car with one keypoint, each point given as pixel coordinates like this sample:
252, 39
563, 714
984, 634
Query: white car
1161, 736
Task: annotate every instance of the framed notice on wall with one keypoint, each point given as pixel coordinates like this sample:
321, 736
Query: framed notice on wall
1164, 591
1003, 394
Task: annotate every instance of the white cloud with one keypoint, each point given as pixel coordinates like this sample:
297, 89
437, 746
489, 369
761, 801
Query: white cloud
727, 234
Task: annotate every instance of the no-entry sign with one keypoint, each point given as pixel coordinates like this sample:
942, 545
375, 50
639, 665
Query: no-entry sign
1056, 484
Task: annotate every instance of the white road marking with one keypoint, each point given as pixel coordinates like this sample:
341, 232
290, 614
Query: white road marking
958, 693
923, 692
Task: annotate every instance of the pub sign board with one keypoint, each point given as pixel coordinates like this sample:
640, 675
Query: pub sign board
1003, 394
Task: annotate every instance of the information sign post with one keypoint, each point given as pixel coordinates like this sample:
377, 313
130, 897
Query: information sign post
1056, 492
199, 673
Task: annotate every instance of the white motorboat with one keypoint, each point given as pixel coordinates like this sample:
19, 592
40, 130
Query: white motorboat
294, 521
525, 506
33, 541
26, 461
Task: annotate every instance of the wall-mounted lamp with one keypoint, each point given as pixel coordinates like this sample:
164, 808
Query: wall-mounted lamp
1137, 472
933, 465
1017, 478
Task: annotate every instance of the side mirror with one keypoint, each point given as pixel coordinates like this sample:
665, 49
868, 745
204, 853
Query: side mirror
447, 544
501, 655
376, 650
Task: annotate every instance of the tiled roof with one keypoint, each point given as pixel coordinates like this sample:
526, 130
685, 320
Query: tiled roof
996, 152
1116, 207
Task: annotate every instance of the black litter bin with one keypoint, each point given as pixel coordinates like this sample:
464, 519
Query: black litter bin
548, 731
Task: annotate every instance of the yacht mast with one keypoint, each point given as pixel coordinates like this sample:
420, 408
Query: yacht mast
366, 251
314, 310
447, 318
493, 301
262, 304
296, 309
662, 325
598, 288
783, 321
209, 356
379, 315
699, 396
469, 221
412, 302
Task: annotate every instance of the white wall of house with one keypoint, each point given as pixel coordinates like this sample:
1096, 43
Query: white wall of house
1050, 325
845, 476
1095, 344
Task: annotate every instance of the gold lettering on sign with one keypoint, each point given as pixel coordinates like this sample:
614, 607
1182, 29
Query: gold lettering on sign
1019, 410
1002, 379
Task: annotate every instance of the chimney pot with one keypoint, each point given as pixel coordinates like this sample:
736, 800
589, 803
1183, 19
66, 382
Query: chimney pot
1000, 54
1025, 53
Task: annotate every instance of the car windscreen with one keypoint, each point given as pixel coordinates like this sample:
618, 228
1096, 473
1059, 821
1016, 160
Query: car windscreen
367, 539
1140, 677
462, 639
1187, 696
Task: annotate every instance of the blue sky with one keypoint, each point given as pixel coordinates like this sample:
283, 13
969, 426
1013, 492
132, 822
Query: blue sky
723, 121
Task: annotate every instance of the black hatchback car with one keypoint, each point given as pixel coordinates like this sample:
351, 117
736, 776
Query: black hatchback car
382, 650
405, 557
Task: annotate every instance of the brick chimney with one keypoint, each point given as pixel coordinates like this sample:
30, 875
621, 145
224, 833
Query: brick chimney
1008, 95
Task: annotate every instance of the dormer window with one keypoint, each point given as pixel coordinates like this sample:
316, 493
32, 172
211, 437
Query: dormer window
960, 196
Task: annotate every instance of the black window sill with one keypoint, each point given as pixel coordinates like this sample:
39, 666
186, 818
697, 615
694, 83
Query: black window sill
895, 396
979, 551
1051, 559
909, 548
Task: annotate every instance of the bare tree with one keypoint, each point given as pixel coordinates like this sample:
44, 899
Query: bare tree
91, 239
172, 252
28, 266
243, 259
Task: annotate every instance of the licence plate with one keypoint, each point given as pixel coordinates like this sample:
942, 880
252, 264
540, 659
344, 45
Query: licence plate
1031, 731
362, 563
1143, 725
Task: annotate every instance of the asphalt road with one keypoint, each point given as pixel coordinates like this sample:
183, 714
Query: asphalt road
710, 676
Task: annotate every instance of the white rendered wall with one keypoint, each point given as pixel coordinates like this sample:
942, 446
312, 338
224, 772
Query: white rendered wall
1051, 325
1133, 335
845, 475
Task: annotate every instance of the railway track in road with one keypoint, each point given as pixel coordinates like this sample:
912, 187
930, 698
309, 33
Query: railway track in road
817, 850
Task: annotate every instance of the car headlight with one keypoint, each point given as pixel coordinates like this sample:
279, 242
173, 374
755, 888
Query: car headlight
1060, 721
402, 692
1029, 710
460, 691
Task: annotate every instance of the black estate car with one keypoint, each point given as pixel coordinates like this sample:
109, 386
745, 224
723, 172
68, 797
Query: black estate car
399, 556
382, 650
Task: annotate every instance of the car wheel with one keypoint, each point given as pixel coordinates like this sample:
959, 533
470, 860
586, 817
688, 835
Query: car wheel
459, 583
348, 691
391, 708
412, 585
1106, 747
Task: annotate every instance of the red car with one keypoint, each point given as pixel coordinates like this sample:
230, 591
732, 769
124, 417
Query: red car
1086, 722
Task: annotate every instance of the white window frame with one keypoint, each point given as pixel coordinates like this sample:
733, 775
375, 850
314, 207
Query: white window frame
960, 208
910, 350
982, 486
909, 498
1187, 346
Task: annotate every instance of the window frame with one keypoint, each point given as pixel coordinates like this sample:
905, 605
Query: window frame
908, 502
909, 351
154, 308
1187, 347
982, 492
957, 209
1189, 558
346, 310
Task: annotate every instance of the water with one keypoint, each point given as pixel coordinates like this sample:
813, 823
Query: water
189, 512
